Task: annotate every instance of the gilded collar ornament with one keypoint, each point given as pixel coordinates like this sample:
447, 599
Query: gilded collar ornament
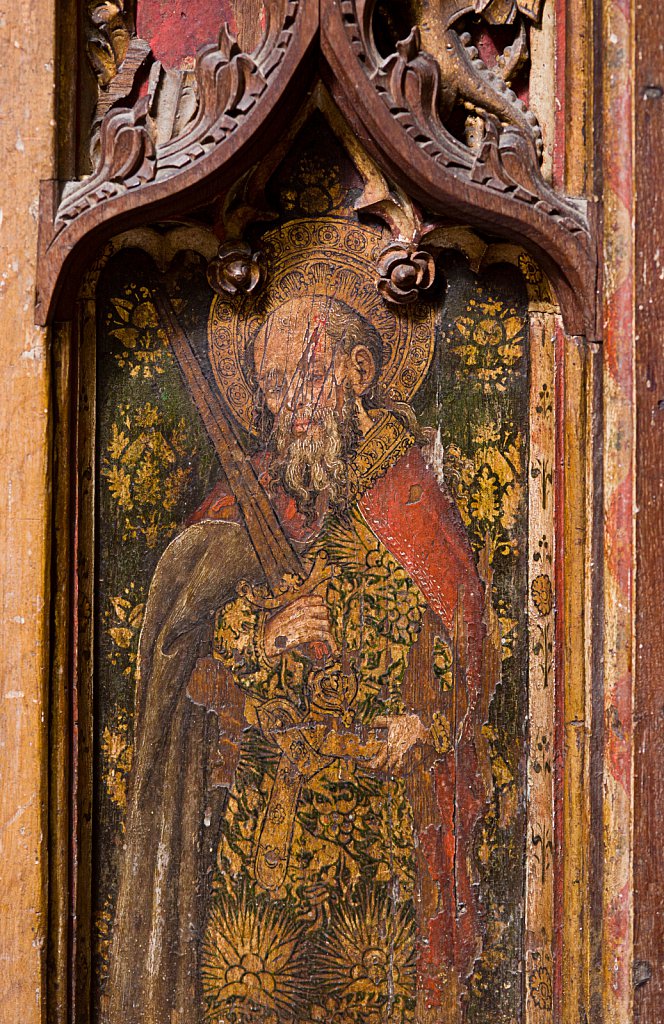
328, 258
378, 451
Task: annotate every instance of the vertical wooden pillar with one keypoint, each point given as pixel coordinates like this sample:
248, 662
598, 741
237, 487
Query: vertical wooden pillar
580, 595
614, 154
649, 393
27, 44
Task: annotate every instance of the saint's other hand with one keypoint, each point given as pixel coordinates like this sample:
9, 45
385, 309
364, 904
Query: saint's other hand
304, 621
403, 732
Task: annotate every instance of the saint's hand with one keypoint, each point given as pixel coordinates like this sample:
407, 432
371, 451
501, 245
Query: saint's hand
299, 624
403, 732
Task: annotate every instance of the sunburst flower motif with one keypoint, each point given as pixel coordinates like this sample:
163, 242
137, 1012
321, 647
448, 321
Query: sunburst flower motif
541, 988
255, 966
542, 593
489, 341
365, 960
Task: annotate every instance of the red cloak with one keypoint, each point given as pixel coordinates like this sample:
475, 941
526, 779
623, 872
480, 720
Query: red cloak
419, 523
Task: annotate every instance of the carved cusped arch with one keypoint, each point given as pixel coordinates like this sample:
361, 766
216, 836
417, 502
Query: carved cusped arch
397, 105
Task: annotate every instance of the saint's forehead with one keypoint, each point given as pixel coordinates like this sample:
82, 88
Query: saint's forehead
289, 329
301, 310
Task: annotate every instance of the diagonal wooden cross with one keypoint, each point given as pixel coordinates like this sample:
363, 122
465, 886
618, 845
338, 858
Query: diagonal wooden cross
273, 549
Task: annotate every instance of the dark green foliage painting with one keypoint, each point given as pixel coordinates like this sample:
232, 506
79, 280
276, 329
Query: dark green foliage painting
309, 796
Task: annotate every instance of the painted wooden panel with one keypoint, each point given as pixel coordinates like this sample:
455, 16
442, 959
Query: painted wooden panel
311, 793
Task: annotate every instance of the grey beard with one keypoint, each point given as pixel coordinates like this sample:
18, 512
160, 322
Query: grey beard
314, 463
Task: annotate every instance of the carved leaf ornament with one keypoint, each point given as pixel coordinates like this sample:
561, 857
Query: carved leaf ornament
400, 106
503, 12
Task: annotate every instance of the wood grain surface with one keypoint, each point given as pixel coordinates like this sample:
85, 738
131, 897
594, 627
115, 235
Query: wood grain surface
27, 34
614, 623
649, 693
27, 413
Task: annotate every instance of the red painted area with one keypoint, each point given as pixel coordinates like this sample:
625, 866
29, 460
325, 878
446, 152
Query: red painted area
619, 932
618, 731
176, 28
619, 176
619, 519
618, 322
491, 42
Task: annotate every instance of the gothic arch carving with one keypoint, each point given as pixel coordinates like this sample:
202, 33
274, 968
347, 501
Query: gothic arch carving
397, 105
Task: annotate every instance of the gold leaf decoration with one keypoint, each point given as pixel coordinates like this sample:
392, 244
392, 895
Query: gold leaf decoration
103, 935
487, 480
315, 187
116, 753
442, 664
147, 471
489, 342
123, 623
253, 953
141, 344
121, 636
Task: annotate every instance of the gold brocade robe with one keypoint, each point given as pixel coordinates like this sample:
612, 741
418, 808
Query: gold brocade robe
271, 873
312, 913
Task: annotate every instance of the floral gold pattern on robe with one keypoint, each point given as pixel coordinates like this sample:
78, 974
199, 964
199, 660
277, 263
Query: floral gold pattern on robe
313, 902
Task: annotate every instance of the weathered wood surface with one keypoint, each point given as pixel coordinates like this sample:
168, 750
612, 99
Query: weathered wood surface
26, 50
26, 112
648, 694
614, 166
578, 891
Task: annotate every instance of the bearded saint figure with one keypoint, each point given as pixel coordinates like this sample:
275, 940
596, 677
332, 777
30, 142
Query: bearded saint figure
308, 769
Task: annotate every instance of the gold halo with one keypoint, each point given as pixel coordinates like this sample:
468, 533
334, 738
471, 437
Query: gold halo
322, 258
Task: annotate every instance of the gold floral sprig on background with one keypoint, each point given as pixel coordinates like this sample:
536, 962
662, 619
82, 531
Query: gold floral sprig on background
482, 434
103, 929
147, 471
508, 627
134, 323
123, 620
538, 286
117, 753
489, 341
488, 484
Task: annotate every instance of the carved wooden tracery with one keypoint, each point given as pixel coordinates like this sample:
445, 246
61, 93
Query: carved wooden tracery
397, 105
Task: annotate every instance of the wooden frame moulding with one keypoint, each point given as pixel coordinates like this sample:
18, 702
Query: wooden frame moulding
578, 143
648, 838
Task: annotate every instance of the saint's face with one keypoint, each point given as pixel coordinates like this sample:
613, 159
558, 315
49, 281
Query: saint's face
298, 369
